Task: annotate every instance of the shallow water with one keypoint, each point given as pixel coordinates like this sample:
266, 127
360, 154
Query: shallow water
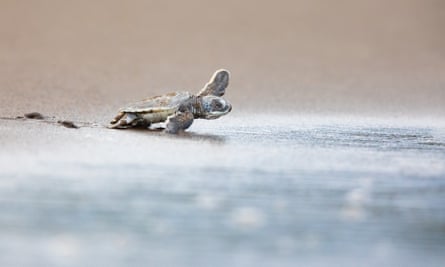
239, 191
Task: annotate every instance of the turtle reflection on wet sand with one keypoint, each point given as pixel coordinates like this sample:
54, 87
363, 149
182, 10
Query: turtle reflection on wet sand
176, 111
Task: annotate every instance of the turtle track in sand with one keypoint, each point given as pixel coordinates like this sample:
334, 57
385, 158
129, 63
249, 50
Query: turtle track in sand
39, 118
36, 116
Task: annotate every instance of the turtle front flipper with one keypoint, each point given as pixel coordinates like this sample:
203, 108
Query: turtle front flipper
217, 84
181, 120
125, 120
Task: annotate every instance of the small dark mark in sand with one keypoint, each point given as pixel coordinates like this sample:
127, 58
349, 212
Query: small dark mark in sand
34, 116
68, 124
52, 120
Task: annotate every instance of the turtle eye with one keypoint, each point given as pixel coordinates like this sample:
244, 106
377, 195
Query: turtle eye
218, 105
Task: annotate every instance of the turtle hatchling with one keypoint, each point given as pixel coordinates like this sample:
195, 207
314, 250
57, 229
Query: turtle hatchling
176, 111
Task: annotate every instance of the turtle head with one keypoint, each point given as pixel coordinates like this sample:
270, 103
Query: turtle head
213, 107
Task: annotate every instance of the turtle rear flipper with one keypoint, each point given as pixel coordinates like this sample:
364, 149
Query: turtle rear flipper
125, 120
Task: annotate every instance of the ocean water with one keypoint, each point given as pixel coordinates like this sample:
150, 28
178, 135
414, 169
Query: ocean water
239, 191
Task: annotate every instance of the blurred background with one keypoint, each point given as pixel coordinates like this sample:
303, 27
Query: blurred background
81, 58
288, 178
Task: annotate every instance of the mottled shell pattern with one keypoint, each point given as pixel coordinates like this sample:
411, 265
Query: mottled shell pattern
170, 101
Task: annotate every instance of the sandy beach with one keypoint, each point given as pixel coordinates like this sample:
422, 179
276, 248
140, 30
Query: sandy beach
333, 155
84, 59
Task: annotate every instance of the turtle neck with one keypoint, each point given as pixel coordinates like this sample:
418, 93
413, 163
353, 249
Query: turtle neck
197, 107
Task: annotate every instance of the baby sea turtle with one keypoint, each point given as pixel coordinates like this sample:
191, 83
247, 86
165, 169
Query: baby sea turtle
178, 109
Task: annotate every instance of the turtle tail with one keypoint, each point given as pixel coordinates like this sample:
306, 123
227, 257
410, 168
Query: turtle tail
123, 120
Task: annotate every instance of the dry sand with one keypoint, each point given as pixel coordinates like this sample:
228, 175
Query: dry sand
84, 59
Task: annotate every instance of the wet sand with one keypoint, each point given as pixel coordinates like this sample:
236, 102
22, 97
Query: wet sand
333, 153
302, 190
